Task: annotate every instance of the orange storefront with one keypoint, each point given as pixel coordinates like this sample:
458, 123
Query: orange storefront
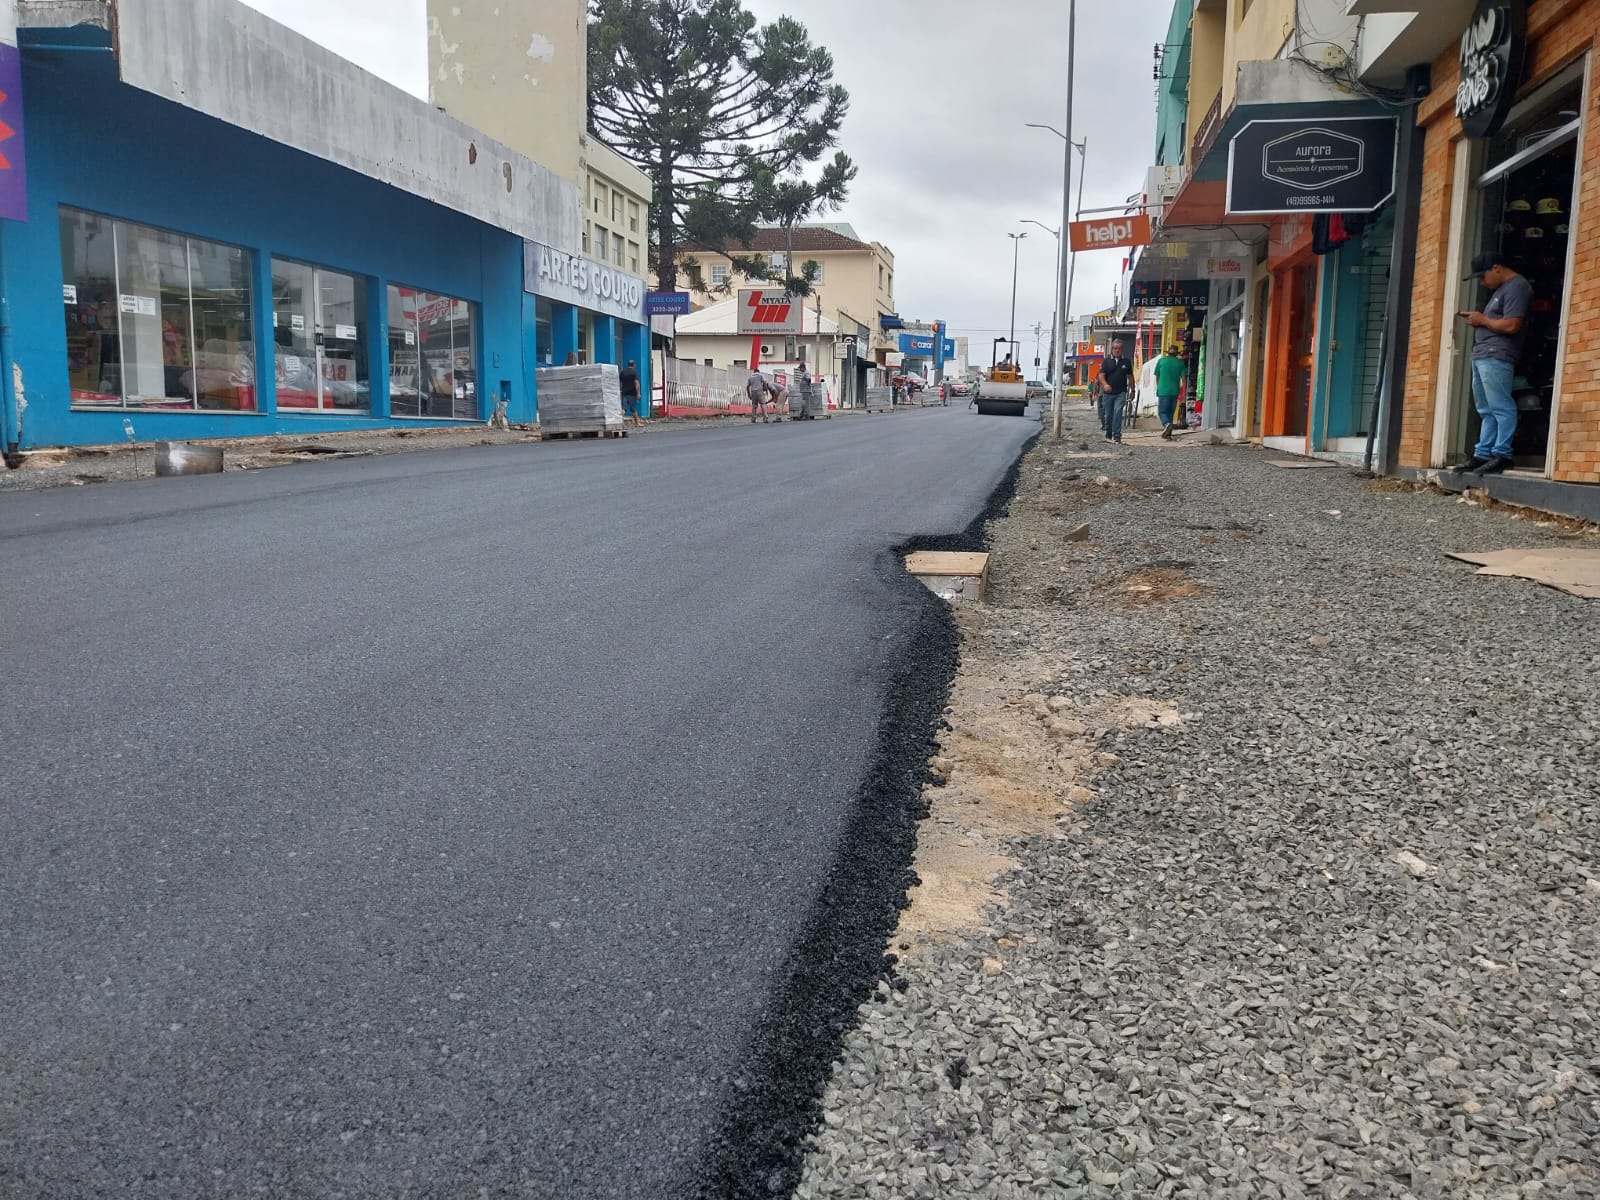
1528, 191
1291, 329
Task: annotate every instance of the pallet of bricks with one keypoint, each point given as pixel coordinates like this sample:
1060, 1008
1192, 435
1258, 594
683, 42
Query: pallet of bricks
580, 402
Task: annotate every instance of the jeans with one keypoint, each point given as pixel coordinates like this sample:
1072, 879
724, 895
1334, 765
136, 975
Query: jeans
1491, 393
1167, 407
1111, 406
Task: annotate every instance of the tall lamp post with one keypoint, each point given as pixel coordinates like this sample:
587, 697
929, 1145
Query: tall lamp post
1016, 250
1054, 331
1064, 275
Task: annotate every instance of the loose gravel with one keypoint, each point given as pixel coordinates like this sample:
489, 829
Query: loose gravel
1329, 923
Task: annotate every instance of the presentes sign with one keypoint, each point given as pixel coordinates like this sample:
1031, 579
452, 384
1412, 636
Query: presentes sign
1493, 52
1171, 293
1110, 234
1335, 165
762, 311
582, 282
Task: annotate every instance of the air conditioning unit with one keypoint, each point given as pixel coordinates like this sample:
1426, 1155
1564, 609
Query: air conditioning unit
766, 350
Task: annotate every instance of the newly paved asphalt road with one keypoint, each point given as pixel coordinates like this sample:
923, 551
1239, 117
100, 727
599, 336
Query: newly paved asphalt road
432, 825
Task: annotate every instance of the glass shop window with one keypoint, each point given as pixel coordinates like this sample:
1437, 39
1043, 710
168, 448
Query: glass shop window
322, 336
433, 355
155, 319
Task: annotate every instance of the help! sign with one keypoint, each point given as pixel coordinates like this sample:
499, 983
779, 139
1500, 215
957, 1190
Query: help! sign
1114, 233
762, 312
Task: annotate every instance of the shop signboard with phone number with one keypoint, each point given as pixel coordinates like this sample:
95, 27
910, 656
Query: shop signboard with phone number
1332, 165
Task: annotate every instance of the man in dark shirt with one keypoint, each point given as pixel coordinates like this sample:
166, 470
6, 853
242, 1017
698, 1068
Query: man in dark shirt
1116, 377
628, 378
1497, 345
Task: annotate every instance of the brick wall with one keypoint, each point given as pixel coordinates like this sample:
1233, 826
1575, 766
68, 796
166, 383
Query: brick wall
1560, 31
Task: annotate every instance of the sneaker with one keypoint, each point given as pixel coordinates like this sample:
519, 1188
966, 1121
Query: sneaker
1495, 466
1166, 432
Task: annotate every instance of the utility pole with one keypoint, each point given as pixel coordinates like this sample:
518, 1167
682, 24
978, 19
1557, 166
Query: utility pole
1063, 287
1016, 249
1038, 333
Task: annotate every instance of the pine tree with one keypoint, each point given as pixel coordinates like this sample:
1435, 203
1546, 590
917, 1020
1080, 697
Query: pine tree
720, 113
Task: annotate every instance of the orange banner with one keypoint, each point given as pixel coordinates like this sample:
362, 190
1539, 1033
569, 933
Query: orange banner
1113, 233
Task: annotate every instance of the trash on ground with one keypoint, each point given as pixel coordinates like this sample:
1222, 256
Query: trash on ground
1569, 569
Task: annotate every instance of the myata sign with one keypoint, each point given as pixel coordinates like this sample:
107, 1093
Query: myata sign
582, 282
1494, 50
1335, 165
1111, 234
762, 311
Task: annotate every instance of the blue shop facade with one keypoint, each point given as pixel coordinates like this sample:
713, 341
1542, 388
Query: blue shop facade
186, 277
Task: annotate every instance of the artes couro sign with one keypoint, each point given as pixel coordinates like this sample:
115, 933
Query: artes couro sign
1493, 51
1335, 165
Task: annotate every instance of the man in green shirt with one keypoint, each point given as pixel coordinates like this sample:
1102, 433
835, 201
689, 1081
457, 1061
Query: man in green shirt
1170, 370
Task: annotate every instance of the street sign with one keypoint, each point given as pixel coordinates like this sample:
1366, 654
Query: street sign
763, 312
13, 157
1335, 165
666, 304
1110, 234
1170, 293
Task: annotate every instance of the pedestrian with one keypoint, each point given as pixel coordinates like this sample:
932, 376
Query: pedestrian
1170, 371
759, 392
1496, 346
802, 389
628, 378
1116, 379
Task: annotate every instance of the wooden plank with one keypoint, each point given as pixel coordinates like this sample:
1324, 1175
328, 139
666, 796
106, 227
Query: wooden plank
946, 562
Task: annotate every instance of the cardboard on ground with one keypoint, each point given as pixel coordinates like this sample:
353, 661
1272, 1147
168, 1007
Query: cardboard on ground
1568, 569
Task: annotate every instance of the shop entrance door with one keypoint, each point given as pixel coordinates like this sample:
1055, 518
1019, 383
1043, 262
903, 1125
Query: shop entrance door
1302, 345
1524, 202
1260, 320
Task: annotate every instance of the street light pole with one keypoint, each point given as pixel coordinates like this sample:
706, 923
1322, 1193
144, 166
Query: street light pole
1068, 261
1055, 352
1016, 250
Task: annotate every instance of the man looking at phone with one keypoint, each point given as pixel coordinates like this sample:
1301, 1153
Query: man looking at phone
1497, 345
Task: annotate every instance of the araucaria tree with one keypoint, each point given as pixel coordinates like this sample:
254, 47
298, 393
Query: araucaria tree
713, 108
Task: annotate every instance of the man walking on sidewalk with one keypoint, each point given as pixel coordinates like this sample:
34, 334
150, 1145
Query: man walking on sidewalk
628, 380
1497, 345
1169, 385
1116, 377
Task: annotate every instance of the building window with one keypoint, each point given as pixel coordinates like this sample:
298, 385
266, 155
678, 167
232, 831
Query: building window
155, 319
776, 260
320, 334
880, 276
433, 355
621, 248
602, 245
820, 272
586, 239
599, 199
633, 217
616, 208
719, 274
633, 262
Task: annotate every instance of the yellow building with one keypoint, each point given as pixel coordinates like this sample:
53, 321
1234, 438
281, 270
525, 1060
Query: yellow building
855, 283
616, 215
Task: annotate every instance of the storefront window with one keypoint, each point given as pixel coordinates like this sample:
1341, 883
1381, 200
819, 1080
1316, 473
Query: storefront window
1526, 192
433, 355
155, 319
319, 321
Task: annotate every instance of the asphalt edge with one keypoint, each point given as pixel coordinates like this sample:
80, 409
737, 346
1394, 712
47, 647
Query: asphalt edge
759, 1144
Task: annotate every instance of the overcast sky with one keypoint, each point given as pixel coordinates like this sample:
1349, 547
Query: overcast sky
939, 99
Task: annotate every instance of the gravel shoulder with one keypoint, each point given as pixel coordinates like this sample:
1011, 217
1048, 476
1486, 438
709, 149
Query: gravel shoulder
1263, 861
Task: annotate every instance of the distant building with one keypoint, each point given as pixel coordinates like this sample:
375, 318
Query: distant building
855, 281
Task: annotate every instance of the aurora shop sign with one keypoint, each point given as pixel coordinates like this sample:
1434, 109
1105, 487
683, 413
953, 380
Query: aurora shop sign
582, 282
1493, 52
1332, 165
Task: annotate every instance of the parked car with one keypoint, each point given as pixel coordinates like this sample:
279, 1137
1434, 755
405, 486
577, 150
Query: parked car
959, 387
1037, 389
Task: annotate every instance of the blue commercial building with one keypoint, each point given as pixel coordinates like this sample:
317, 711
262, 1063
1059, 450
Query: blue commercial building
231, 231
